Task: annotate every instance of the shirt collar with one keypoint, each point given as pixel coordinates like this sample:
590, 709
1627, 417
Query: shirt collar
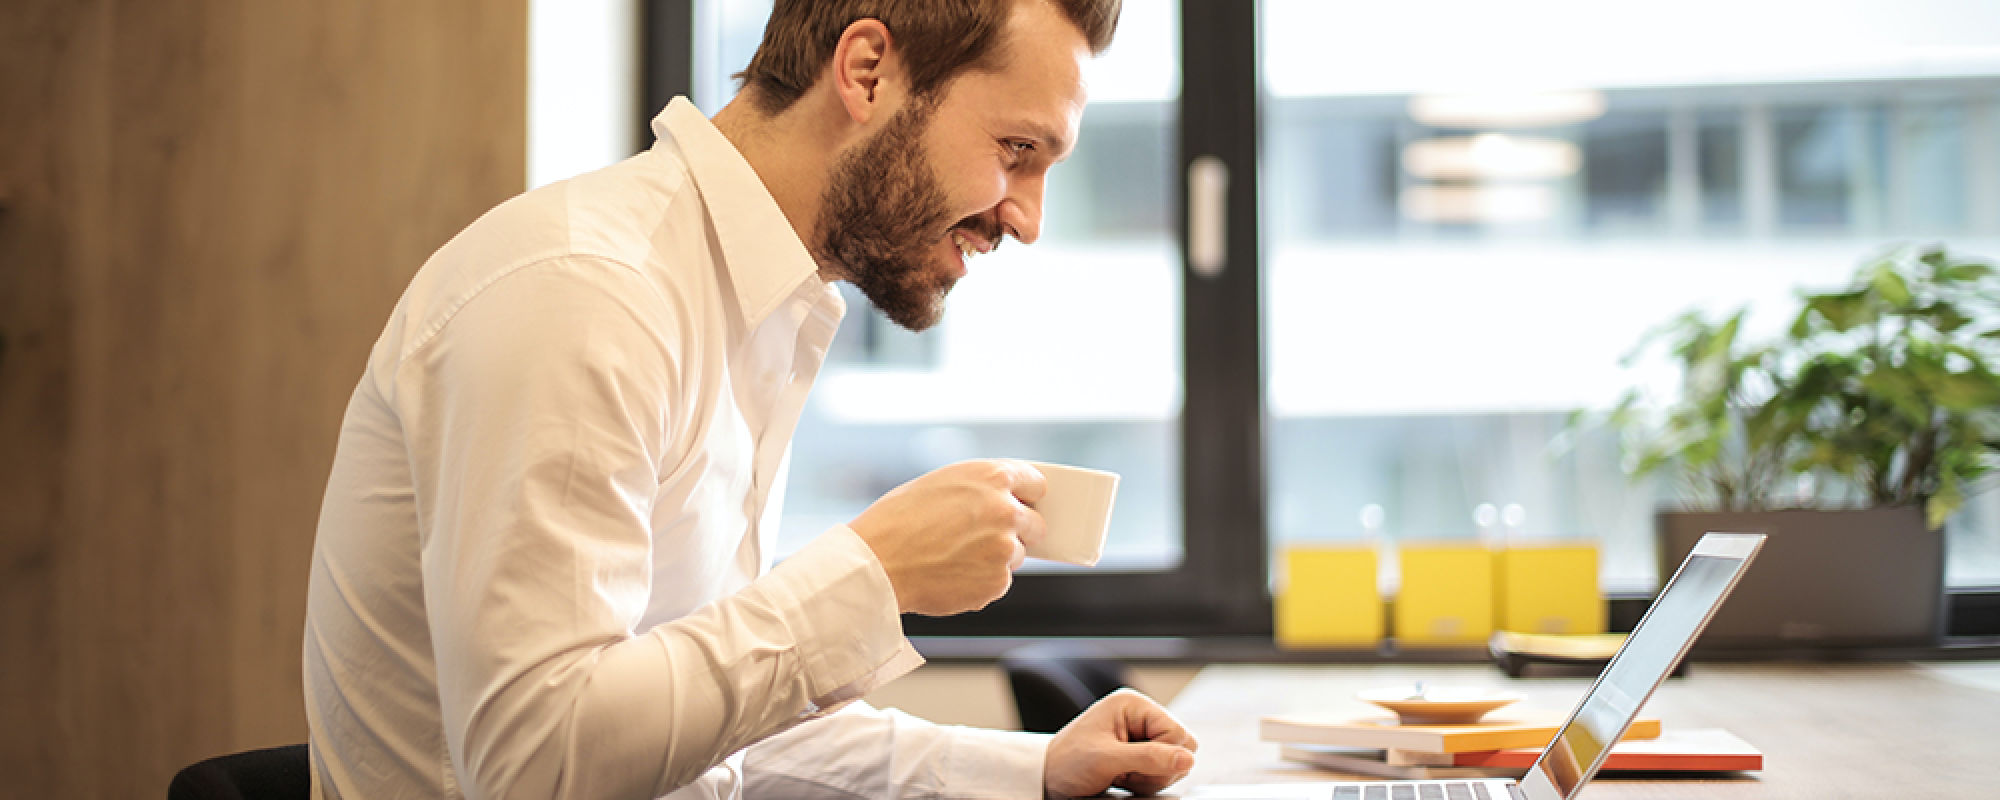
765, 259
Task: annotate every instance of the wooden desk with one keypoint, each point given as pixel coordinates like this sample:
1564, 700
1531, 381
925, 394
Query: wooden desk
1827, 730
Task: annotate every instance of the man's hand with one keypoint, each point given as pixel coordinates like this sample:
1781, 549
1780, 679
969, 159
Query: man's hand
1124, 740
950, 540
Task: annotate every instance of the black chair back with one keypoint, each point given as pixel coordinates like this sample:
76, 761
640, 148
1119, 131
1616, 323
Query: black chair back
277, 773
1055, 681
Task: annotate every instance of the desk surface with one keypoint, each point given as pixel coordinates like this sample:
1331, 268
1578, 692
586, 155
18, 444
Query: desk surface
1827, 730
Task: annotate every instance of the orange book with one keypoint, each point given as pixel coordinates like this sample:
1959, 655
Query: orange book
1697, 750
1502, 731
1674, 750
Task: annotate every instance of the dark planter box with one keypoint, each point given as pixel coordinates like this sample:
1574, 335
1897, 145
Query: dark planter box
1824, 579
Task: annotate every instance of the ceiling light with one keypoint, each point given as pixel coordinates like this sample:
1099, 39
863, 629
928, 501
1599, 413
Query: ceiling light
1507, 109
1491, 156
1465, 204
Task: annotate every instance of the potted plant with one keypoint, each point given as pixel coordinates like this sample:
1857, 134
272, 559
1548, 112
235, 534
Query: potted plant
1849, 439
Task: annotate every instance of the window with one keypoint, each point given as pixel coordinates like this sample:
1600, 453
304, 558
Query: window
1498, 251
1397, 326
1001, 375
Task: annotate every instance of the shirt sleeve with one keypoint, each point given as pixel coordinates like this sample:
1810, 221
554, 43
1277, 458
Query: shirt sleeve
863, 752
534, 417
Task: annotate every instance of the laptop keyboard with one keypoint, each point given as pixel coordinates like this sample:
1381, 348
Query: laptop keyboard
1427, 790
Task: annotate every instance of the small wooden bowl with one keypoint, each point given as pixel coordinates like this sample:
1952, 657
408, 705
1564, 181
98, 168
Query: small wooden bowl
1440, 705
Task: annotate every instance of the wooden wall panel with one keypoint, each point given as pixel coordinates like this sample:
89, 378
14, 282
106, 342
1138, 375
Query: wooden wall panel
142, 571
47, 52
419, 104
207, 208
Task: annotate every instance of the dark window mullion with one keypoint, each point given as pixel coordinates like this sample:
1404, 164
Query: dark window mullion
666, 59
1222, 422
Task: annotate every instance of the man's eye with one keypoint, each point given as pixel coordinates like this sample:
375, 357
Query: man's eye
1019, 148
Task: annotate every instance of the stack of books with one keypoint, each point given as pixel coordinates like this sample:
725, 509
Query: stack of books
1503, 745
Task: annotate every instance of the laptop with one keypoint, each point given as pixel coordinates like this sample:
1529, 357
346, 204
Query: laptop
1656, 645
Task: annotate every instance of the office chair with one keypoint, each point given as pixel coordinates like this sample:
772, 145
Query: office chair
1055, 681
276, 773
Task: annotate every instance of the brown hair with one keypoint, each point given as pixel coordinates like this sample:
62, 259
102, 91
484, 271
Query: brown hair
938, 39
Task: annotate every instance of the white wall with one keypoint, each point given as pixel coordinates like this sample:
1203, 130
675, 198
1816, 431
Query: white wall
583, 78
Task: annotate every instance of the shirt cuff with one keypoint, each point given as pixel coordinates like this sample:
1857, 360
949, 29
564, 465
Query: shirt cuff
841, 610
995, 764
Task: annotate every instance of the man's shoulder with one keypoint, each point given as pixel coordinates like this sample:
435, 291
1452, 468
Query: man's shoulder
636, 218
620, 212
630, 213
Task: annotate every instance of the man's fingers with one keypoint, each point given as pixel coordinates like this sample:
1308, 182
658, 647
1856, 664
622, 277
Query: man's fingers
1026, 482
1029, 525
1018, 557
1152, 766
1027, 486
1172, 759
1149, 722
1124, 740
1177, 736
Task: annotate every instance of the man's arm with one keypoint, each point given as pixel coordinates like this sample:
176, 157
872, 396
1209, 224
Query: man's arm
533, 420
1124, 740
885, 754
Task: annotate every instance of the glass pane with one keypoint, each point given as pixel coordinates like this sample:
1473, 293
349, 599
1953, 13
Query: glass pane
1828, 169
1065, 351
1625, 172
1457, 259
1719, 165
1928, 142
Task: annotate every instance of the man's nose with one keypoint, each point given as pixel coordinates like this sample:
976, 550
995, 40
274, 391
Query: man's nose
1021, 209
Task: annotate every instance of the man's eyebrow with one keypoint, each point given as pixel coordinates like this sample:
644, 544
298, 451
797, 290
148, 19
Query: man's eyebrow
1057, 143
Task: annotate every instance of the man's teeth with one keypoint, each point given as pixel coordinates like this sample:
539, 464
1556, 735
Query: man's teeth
964, 246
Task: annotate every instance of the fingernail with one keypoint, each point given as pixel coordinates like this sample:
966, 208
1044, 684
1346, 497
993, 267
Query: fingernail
1184, 761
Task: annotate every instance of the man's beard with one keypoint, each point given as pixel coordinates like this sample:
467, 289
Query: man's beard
882, 216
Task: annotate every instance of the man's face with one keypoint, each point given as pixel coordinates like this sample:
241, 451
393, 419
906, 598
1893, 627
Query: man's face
950, 174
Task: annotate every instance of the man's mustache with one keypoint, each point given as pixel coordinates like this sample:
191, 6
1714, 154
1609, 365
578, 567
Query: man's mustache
988, 229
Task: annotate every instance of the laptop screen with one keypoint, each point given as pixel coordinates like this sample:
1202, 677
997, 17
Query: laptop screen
1655, 646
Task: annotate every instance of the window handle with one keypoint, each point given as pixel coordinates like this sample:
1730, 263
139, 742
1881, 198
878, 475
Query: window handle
1208, 215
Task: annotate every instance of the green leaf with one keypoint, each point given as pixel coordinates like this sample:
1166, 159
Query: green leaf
1891, 286
1935, 257
1943, 317
1967, 391
1842, 311
1898, 390
1966, 272
1945, 500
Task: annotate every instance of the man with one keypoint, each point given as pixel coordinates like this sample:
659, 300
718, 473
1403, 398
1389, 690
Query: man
543, 565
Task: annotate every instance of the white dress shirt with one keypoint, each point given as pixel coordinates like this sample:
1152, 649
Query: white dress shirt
543, 560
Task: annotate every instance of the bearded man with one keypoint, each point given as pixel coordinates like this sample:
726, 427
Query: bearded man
543, 562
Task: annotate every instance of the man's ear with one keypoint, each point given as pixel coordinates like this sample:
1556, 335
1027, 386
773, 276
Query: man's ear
860, 63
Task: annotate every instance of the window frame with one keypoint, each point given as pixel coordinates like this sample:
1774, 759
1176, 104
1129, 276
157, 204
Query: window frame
1220, 586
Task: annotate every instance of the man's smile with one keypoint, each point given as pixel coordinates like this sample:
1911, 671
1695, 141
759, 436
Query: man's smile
970, 243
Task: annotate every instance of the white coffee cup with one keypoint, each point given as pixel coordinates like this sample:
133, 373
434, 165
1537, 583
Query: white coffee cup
1077, 511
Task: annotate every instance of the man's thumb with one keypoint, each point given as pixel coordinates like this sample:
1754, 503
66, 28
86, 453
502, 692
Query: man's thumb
1161, 758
